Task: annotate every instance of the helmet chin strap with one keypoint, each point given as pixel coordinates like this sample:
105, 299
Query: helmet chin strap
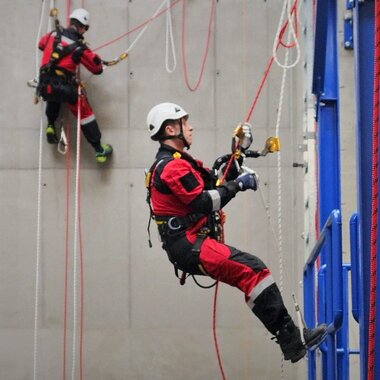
180, 136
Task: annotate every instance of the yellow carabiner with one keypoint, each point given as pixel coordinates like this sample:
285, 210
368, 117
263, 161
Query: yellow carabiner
54, 12
273, 144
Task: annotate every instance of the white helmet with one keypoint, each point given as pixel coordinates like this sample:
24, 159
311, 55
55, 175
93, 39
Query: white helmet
162, 112
81, 15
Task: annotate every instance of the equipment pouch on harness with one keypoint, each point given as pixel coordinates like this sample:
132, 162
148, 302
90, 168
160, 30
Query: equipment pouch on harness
57, 88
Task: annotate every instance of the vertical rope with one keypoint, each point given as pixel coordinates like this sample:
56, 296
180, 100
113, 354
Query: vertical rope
38, 251
81, 338
266, 73
39, 195
67, 248
214, 332
75, 245
279, 185
375, 200
68, 12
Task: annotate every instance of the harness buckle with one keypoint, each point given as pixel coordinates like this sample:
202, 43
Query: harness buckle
171, 224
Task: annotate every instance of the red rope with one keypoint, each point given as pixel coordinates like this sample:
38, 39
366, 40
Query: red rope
81, 333
81, 311
283, 29
68, 12
214, 332
138, 26
375, 200
212, 16
282, 32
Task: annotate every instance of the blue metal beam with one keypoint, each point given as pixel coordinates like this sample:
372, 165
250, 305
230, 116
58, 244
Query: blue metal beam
326, 89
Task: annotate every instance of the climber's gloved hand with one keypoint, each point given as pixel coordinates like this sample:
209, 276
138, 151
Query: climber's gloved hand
247, 180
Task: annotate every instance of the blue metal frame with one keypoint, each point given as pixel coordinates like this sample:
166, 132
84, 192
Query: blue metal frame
326, 90
330, 293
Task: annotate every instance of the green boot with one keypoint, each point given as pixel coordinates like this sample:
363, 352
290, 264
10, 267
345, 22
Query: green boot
101, 157
51, 134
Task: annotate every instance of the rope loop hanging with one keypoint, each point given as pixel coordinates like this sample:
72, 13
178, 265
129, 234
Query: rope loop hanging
169, 41
204, 60
287, 9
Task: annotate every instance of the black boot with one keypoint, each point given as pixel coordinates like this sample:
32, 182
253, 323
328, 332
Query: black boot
314, 337
289, 339
51, 134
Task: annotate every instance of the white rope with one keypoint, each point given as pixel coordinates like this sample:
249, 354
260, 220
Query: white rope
76, 229
38, 250
279, 180
39, 37
39, 196
279, 175
131, 46
145, 27
286, 8
169, 40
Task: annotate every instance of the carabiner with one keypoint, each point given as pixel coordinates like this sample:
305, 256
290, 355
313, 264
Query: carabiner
62, 144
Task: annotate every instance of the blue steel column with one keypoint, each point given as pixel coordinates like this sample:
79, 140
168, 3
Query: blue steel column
364, 32
326, 89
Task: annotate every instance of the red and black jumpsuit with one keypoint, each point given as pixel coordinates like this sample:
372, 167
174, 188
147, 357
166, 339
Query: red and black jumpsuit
69, 63
183, 198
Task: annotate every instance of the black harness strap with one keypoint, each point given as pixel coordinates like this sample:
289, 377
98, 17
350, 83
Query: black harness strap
175, 226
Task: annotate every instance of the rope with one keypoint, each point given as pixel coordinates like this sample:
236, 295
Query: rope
39, 196
375, 201
81, 339
76, 223
265, 77
68, 12
214, 332
279, 187
287, 8
285, 67
148, 21
169, 40
212, 14
38, 251
67, 255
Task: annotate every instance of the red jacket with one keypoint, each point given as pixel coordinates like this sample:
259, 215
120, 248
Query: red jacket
181, 185
81, 55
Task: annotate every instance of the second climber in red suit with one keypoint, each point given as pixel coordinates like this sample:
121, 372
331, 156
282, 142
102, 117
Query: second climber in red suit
184, 199
63, 51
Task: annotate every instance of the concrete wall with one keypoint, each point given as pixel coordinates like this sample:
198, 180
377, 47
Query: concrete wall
139, 323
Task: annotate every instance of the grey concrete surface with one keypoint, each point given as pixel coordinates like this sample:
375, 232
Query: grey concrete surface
139, 323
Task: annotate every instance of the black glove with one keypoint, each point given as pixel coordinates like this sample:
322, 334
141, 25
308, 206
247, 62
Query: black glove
247, 180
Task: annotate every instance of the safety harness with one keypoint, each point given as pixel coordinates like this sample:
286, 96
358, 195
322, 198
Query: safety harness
57, 84
176, 226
